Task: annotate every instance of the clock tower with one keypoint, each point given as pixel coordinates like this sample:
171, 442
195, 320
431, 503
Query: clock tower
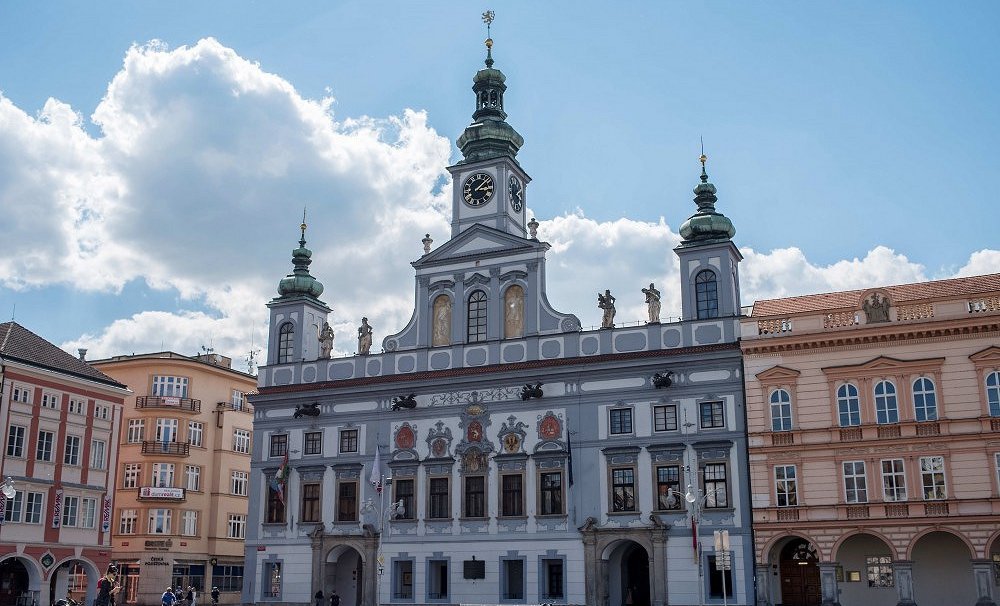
488, 183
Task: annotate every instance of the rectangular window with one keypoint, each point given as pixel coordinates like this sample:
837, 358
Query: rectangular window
279, 445
404, 492
402, 580
88, 513
43, 450
272, 579
620, 421
712, 415
551, 493
438, 506
716, 582
855, 483
127, 521
716, 485
196, 433
15, 441
623, 489
130, 477
553, 573
166, 431
348, 440
668, 486
475, 497
237, 527
513, 579
879, 570
786, 485
171, 387
997, 459
12, 512
192, 477
512, 495
241, 441
71, 511
136, 431
347, 502
313, 443
665, 418
23, 394
227, 578
239, 483
71, 455
163, 475
893, 480
237, 399
437, 579
275, 506
311, 503
102, 412
932, 477
33, 508
76, 406
189, 523
98, 454
50, 400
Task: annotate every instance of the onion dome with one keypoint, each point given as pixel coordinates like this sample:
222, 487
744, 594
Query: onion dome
706, 225
300, 282
489, 136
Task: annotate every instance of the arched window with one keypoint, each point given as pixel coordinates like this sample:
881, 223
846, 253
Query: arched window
993, 392
477, 317
848, 405
924, 400
706, 290
781, 410
513, 312
286, 336
886, 407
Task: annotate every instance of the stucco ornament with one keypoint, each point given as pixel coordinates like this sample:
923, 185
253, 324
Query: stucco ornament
364, 337
325, 340
652, 303
876, 308
607, 303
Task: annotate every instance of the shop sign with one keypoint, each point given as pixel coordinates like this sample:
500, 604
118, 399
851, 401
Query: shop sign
57, 509
157, 492
106, 514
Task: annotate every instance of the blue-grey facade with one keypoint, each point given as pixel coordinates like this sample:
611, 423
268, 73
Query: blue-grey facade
535, 462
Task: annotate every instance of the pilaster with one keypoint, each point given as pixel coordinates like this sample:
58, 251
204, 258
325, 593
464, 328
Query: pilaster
982, 573
763, 574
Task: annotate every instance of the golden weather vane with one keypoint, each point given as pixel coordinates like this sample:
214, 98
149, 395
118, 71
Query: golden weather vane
488, 17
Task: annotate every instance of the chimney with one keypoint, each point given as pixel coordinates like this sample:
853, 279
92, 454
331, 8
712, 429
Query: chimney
82, 353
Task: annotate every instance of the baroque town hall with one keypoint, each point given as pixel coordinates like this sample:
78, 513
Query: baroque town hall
525, 460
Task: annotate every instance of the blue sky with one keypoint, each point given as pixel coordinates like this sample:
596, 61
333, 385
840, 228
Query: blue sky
852, 144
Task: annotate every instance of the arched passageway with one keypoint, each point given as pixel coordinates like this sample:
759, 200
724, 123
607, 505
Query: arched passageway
868, 564
798, 574
342, 572
942, 555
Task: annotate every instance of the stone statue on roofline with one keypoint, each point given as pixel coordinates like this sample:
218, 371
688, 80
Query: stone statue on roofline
652, 303
364, 337
607, 303
325, 341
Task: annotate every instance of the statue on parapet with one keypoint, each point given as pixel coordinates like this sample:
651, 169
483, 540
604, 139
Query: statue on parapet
364, 337
607, 303
325, 340
652, 303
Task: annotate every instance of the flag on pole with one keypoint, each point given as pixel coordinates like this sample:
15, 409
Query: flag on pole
569, 457
694, 536
376, 478
281, 479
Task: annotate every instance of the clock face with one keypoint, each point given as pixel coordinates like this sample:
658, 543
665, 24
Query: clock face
478, 189
516, 190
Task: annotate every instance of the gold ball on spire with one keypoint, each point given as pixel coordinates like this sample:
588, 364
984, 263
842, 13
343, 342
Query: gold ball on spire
703, 158
489, 43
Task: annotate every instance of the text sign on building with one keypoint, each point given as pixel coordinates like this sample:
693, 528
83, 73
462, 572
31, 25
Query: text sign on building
157, 561
157, 492
106, 514
170, 401
57, 509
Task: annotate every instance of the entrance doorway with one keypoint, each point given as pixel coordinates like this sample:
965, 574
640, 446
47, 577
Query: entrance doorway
635, 576
14, 584
343, 573
799, 571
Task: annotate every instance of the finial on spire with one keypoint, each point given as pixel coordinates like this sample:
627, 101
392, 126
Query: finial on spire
488, 17
703, 158
302, 240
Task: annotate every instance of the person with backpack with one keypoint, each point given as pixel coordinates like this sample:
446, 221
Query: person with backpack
168, 598
107, 587
215, 596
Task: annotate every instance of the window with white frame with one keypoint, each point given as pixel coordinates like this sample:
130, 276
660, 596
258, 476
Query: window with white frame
70, 510
98, 454
855, 483
886, 405
993, 393
781, 410
236, 399
932, 478
620, 421
159, 521
50, 400
189, 523
176, 387
136, 431
131, 474
21, 393
163, 475
88, 512
237, 528
996, 458
196, 433
786, 486
76, 406
15, 441
44, 449
924, 400
664, 418
241, 441
102, 411
127, 521
33, 508
71, 456
716, 482
240, 480
893, 480
12, 510
166, 430
848, 405
192, 477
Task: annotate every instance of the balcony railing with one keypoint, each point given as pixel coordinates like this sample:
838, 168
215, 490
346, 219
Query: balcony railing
857, 512
888, 431
788, 515
897, 510
186, 404
784, 438
936, 509
929, 428
181, 449
851, 434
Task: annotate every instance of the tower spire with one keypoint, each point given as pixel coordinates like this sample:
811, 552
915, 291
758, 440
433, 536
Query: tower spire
706, 225
488, 17
300, 281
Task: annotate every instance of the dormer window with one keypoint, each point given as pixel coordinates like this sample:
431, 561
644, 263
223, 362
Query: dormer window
285, 342
477, 317
706, 290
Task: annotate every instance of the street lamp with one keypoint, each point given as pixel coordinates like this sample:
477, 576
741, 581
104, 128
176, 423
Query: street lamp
697, 498
392, 510
7, 488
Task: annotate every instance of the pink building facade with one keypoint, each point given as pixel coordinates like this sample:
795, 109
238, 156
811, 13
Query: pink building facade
874, 428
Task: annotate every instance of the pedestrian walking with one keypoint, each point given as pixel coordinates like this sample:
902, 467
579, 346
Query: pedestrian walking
334, 598
215, 596
169, 598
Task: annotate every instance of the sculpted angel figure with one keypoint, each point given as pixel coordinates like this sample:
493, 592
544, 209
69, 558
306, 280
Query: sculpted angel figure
652, 303
607, 303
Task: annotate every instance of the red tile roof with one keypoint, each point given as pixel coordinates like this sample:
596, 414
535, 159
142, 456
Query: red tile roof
903, 293
19, 343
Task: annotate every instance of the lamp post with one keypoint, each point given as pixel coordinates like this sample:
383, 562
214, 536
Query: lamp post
392, 510
696, 499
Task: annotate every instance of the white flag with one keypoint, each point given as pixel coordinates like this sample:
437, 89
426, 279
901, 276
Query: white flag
376, 478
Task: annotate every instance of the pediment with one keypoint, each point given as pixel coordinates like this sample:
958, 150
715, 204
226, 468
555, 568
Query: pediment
478, 239
777, 374
990, 355
883, 364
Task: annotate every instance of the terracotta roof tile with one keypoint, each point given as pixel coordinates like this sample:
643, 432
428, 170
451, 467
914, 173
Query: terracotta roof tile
903, 293
19, 343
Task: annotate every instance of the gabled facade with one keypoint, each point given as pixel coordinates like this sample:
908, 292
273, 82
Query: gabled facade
61, 418
530, 461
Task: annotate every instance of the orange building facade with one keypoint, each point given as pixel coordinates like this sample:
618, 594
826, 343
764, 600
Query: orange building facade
183, 467
874, 428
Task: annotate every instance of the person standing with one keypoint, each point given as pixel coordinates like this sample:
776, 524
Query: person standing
190, 596
319, 598
334, 598
107, 588
215, 596
169, 598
